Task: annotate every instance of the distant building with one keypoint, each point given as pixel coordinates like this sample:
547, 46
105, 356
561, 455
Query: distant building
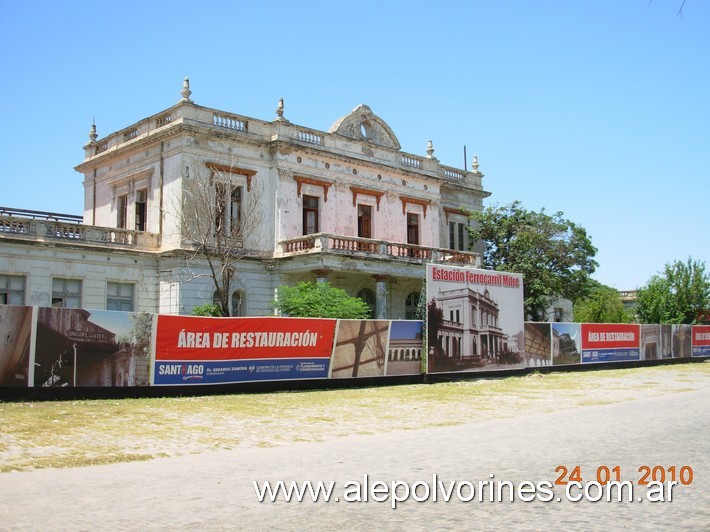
629, 299
346, 205
559, 310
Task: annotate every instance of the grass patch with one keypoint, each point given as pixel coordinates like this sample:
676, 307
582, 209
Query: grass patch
80, 433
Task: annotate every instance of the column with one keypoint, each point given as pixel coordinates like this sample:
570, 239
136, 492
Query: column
381, 296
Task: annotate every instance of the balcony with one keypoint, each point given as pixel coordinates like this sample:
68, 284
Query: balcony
66, 229
376, 249
454, 326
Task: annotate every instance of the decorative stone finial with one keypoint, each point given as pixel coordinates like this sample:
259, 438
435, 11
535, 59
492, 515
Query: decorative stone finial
92, 134
280, 110
475, 163
185, 92
430, 149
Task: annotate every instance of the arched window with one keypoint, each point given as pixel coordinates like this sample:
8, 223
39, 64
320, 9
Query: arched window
238, 306
410, 306
369, 298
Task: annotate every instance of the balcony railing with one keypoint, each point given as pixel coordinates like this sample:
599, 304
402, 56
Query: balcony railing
41, 228
366, 247
40, 215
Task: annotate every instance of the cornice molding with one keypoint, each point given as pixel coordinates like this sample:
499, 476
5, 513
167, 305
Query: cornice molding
301, 180
377, 194
414, 201
227, 169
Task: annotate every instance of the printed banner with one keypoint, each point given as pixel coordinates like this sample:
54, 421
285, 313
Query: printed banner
78, 347
404, 353
610, 342
538, 344
474, 319
201, 350
701, 340
566, 346
360, 348
15, 331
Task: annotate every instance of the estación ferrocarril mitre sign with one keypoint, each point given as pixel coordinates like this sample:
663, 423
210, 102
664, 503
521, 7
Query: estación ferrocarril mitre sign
471, 276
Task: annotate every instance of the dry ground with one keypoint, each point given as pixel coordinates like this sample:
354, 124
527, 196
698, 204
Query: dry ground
78, 433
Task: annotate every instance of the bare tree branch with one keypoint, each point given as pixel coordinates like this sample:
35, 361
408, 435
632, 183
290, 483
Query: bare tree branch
221, 217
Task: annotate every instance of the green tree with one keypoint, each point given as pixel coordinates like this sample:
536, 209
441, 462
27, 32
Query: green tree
138, 338
435, 317
602, 305
208, 309
680, 294
319, 300
555, 255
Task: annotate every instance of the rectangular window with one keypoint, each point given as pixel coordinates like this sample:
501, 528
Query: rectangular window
457, 236
235, 209
228, 208
12, 290
237, 303
412, 228
141, 208
558, 314
364, 221
119, 296
122, 208
66, 293
310, 214
220, 206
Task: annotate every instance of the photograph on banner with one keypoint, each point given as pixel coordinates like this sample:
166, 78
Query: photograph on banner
538, 344
15, 334
475, 319
404, 354
360, 348
610, 342
701, 340
204, 350
566, 344
78, 347
681, 338
650, 342
666, 341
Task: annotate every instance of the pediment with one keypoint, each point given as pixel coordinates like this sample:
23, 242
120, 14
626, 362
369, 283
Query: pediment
362, 124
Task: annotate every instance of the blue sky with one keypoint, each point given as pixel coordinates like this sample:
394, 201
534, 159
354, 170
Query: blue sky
596, 108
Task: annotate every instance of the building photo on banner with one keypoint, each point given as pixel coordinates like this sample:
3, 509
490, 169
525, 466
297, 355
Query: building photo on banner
575, 343
376, 348
61, 347
474, 323
475, 319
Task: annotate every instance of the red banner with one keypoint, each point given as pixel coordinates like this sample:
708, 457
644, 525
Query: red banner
190, 338
610, 335
701, 335
701, 340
